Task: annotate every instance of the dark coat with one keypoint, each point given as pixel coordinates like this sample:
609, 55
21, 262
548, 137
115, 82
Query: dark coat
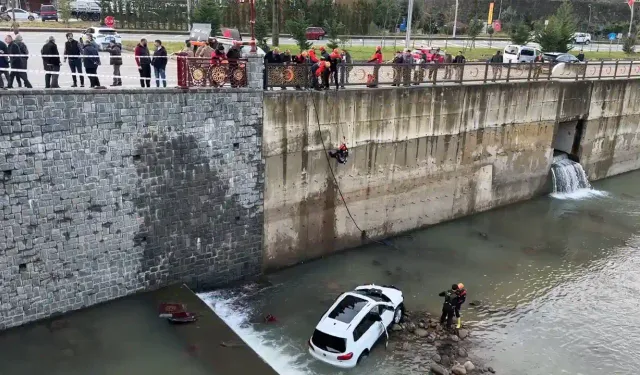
141, 54
272, 58
233, 54
116, 55
159, 60
4, 50
16, 62
72, 48
51, 49
91, 58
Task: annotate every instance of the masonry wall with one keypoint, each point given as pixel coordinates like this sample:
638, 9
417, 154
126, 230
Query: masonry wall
610, 143
104, 194
418, 156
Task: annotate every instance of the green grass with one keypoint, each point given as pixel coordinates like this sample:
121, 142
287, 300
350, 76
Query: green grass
171, 47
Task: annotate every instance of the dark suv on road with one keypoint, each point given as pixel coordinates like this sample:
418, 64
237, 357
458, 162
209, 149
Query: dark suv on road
48, 13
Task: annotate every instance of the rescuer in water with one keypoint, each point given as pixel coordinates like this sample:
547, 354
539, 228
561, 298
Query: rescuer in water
449, 305
462, 296
340, 154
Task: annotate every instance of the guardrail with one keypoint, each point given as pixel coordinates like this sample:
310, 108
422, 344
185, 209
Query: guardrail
202, 72
373, 75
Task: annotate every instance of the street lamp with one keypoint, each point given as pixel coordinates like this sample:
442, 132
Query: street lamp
589, 22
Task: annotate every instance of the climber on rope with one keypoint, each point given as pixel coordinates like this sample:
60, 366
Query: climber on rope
340, 154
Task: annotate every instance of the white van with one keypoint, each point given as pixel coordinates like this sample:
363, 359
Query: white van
519, 54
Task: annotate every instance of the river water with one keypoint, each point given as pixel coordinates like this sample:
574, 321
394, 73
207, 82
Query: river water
557, 278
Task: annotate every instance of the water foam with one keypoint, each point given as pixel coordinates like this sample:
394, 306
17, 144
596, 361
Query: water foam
580, 194
273, 351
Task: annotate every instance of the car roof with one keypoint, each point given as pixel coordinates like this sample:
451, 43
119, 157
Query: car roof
338, 323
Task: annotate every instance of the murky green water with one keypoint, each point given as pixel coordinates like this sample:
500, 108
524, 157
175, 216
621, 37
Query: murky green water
558, 281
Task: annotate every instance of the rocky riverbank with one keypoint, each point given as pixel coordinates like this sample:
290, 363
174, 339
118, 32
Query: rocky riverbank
442, 352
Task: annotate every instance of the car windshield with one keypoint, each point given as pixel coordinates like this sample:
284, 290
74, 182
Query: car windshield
567, 58
107, 32
347, 309
329, 343
47, 8
511, 50
527, 52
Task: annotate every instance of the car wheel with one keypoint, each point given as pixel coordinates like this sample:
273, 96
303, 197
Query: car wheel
30, 18
587, 42
363, 356
398, 314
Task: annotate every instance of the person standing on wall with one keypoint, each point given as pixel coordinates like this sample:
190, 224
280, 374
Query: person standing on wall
51, 63
159, 63
17, 62
116, 61
4, 63
72, 51
91, 60
143, 60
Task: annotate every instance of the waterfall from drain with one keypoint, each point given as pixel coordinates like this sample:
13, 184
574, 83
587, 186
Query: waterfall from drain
568, 176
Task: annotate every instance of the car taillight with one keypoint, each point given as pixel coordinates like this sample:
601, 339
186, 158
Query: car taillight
311, 346
345, 357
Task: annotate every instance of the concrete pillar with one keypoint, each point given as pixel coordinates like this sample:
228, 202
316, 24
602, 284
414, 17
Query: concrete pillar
255, 67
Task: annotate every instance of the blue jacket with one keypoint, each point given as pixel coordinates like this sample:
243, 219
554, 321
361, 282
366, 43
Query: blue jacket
91, 57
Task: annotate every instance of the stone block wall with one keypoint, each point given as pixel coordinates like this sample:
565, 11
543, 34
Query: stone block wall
103, 194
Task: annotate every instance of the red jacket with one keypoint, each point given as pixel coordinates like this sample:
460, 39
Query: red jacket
217, 57
312, 56
376, 58
142, 51
320, 70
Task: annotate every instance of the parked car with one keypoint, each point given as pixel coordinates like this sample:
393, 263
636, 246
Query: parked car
520, 54
48, 13
315, 33
22, 15
102, 36
244, 50
560, 57
581, 38
348, 331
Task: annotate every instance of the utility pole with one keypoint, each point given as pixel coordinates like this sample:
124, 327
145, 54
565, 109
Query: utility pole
275, 27
189, 14
407, 40
631, 3
253, 26
14, 24
455, 20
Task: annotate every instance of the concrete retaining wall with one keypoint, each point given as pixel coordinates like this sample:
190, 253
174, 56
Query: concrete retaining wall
103, 194
419, 156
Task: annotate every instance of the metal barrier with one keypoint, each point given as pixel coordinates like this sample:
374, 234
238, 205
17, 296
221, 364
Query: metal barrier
202, 72
373, 75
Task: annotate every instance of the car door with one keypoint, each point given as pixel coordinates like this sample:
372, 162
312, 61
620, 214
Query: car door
386, 312
367, 331
20, 14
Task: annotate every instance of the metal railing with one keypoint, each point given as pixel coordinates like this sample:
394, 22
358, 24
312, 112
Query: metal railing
202, 72
374, 75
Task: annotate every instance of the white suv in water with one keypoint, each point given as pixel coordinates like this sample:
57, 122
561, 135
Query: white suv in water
354, 323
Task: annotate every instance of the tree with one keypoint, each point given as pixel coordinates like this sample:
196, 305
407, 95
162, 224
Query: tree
629, 45
334, 29
261, 29
557, 36
490, 31
297, 27
475, 28
520, 34
64, 7
208, 11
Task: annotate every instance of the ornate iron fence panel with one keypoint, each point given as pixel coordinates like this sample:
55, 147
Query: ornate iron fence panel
202, 72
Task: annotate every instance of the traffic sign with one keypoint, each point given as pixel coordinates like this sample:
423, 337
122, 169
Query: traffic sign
612, 36
109, 21
497, 26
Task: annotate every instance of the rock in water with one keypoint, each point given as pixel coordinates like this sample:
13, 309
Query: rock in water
422, 332
439, 370
431, 338
468, 365
436, 358
459, 370
396, 328
463, 333
445, 360
491, 370
462, 353
421, 325
454, 338
410, 327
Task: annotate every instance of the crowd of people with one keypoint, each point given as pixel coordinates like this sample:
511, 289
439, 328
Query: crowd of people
14, 58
